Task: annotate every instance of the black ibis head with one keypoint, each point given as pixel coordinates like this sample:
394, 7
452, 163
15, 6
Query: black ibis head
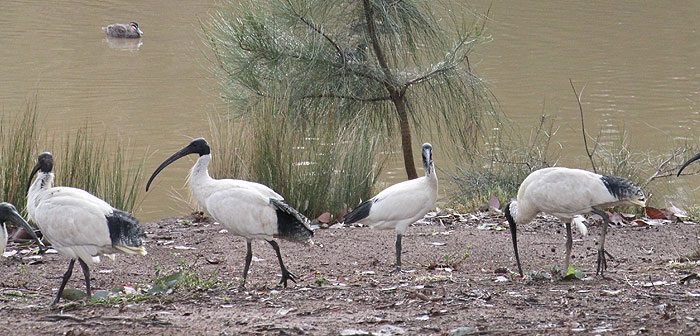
8, 213
427, 151
196, 146
44, 163
624, 190
691, 160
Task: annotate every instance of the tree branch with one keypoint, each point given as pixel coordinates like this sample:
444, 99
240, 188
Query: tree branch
319, 31
330, 95
378, 52
583, 126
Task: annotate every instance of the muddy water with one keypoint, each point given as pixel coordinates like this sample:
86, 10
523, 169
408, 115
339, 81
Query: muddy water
637, 64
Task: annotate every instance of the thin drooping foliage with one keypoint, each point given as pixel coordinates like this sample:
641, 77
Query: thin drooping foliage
387, 66
316, 171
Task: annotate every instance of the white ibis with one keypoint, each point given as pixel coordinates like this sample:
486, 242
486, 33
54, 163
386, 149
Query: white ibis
247, 209
401, 204
78, 224
8, 213
566, 193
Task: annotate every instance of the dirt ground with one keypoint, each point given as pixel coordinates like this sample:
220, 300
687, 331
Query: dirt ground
458, 281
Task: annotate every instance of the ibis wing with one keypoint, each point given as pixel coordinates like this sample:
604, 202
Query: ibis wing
360, 212
396, 206
291, 224
75, 227
291, 212
243, 211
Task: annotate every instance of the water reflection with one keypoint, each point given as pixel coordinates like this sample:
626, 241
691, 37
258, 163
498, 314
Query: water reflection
122, 44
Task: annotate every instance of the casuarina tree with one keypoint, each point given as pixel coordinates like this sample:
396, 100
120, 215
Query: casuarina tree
388, 65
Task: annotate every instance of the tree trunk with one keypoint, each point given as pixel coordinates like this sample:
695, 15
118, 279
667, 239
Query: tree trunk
406, 146
396, 96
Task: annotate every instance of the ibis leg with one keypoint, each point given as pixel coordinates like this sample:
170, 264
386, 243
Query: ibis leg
602, 264
569, 245
66, 277
248, 259
398, 254
286, 275
86, 274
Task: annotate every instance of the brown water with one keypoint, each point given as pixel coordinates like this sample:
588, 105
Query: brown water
637, 64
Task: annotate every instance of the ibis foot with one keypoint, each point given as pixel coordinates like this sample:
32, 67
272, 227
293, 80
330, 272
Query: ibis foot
287, 275
397, 270
602, 262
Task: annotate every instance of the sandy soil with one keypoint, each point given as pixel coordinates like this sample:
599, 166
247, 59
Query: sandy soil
459, 281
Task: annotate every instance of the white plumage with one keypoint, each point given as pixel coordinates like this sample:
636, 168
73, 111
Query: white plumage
247, 209
8, 213
401, 204
78, 224
566, 193
3, 238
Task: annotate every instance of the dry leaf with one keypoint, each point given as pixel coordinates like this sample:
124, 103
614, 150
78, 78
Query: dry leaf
654, 213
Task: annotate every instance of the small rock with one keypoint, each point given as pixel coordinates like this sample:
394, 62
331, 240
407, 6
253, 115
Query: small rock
462, 331
389, 330
72, 294
100, 294
353, 332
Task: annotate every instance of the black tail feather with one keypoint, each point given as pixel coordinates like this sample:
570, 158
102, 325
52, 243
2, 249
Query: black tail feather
124, 229
359, 213
291, 224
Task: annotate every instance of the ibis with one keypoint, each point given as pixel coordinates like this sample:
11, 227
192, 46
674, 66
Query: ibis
78, 224
9, 214
565, 193
247, 209
401, 204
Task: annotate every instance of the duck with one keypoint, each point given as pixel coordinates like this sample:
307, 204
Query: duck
123, 30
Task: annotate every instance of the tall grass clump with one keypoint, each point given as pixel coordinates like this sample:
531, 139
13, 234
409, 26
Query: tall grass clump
85, 163
327, 167
18, 140
81, 162
509, 155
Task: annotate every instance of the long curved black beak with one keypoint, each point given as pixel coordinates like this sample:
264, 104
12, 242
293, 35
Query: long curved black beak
513, 235
10, 214
427, 151
183, 152
691, 160
31, 176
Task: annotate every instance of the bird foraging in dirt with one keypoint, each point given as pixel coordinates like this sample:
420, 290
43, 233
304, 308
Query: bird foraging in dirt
565, 193
9, 214
247, 209
401, 204
78, 224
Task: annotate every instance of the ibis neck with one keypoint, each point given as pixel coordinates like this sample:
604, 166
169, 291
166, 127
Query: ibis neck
199, 178
430, 173
43, 181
